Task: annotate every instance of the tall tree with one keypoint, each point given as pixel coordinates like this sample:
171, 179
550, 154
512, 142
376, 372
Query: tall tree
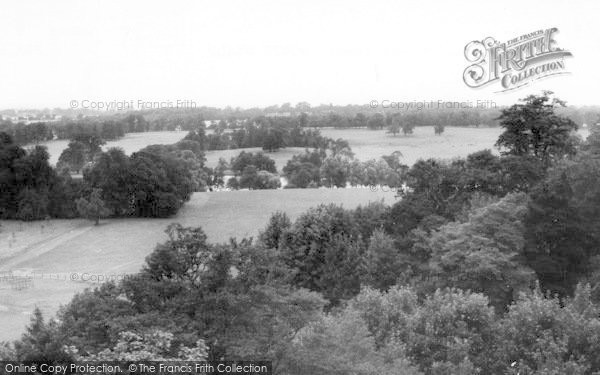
534, 128
93, 208
74, 156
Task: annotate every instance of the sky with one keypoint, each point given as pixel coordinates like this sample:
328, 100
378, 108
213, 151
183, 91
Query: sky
260, 53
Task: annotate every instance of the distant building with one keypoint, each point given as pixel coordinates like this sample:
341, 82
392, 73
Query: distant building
26, 118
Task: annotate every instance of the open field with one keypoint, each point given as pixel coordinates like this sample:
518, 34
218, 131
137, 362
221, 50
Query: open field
454, 142
60, 253
422, 144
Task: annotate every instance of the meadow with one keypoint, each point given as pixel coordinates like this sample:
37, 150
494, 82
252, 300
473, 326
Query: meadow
454, 142
66, 256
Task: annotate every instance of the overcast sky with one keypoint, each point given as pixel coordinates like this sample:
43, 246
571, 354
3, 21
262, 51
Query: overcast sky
259, 53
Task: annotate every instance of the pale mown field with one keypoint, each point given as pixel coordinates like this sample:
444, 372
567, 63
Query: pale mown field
57, 251
454, 142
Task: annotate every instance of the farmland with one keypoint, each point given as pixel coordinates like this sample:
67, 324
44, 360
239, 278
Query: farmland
454, 142
57, 251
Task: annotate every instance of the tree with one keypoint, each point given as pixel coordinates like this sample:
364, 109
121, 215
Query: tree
93, 208
394, 128
41, 342
545, 335
279, 224
273, 140
33, 204
335, 171
377, 121
382, 261
533, 128
360, 120
111, 172
450, 332
303, 170
324, 249
484, 253
438, 129
561, 226
235, 297
74, 156
407, 127
252, 178
342, 344
259, 160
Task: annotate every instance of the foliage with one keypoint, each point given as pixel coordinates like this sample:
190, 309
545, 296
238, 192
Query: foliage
534, 128
147, 184
342, 344
324, 249
152, 346
484, 253
93, 208
31, 188
74, 157
561, 224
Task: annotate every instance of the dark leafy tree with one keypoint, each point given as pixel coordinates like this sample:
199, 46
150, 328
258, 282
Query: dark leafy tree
561, 225
376, 121
74, 156
533, 128
93, 208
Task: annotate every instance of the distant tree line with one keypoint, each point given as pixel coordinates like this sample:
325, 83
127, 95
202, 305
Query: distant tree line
23, 134
268, 134
100, 127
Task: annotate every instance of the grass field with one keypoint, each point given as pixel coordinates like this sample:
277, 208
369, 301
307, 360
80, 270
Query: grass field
57, 250
454, 142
